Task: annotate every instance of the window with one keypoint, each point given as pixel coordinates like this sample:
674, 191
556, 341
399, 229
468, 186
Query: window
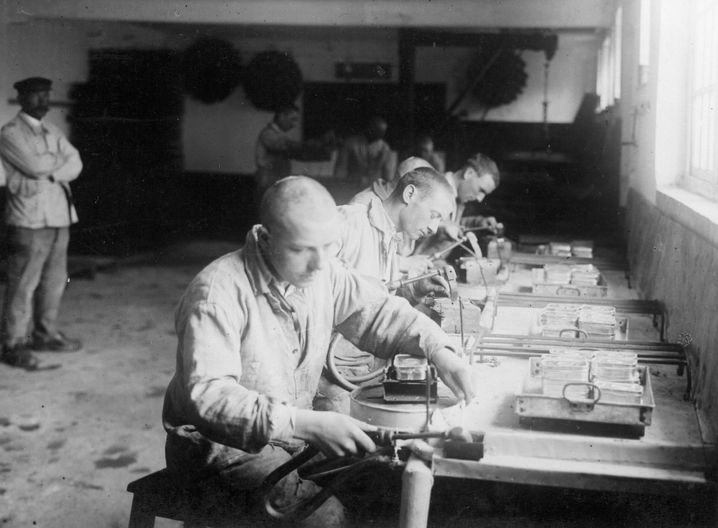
702, 170
644, 42
608, 79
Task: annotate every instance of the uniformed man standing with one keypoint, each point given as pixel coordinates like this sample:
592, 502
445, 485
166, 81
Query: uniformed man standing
39, 162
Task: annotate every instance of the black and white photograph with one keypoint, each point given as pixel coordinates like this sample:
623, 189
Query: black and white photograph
358, 263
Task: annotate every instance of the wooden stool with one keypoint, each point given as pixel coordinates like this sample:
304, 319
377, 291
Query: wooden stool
158, 495
161, 495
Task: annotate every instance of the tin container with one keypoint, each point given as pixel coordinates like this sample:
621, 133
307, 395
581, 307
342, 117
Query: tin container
557, 371
560, 249
410, 368
612, 392
620, 406
554, 282
582, 248
615, 367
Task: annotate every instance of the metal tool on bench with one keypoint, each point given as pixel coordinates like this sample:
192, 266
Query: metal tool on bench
447, 272
334, 472
468, 237
393, 449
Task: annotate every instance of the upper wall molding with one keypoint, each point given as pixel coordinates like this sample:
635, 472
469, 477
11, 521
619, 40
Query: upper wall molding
465, 14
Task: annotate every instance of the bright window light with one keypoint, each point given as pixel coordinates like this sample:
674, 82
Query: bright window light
703, 99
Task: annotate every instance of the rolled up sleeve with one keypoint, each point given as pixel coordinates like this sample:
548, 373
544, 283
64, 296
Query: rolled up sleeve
215, 402
382, 324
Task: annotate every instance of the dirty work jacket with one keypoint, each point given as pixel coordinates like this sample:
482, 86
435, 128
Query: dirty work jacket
378, 189
272, 154
360, 160
39, 162
368, 241
249, 355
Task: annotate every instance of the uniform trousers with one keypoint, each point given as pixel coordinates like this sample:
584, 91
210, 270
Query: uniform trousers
36, 280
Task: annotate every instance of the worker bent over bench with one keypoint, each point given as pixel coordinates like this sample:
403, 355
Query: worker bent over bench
253, 329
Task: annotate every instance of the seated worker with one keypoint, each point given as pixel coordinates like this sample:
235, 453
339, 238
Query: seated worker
478, 178
382, 188
366, 157
420, 201
407, 263
425, 150
368, 243
253, 329
275, 149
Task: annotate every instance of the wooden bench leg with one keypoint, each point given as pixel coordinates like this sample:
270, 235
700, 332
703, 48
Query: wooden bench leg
141, 515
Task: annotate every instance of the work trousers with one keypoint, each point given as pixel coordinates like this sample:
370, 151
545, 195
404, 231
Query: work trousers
36, 280
239, 473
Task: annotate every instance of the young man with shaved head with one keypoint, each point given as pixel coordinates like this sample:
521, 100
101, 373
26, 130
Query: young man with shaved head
369, 241
253, 328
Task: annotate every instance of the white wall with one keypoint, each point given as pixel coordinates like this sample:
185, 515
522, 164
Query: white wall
572, 72
386, 13
220, 137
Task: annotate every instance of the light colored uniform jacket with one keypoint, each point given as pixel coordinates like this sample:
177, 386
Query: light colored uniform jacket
249, 355
369, 241
39, 163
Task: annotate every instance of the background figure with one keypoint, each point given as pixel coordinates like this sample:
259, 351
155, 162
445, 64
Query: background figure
425, 150
274, 149
473, 182
367, 157
39, 162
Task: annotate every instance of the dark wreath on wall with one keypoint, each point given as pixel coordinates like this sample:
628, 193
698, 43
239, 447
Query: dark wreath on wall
272, 79
496, 73
212, 69
504, 78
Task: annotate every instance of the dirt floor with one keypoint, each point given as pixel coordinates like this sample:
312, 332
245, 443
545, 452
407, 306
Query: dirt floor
72, 437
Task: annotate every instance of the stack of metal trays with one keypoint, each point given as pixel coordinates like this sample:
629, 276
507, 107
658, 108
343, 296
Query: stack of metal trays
584, 275
573, 353
616, 374
615, 366
555, 317
582, 249
558, 371
558, 273
560, 249
598, 321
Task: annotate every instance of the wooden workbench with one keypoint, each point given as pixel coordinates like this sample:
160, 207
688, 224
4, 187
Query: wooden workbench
672, 456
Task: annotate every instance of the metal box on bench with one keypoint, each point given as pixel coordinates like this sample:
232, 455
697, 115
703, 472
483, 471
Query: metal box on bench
617, 407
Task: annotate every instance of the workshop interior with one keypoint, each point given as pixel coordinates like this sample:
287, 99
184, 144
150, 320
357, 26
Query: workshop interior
584, 310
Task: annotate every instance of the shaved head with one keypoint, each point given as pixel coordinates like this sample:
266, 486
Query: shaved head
411, 164
300, 223
293, 199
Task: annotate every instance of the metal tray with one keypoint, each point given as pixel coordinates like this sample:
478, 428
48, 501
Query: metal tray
541, 287
532, 403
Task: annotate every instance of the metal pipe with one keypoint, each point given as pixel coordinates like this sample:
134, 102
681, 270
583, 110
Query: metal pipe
416, 483
483, 349
533, 353
606, 343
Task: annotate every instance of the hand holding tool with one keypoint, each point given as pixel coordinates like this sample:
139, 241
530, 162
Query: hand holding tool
447, 273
